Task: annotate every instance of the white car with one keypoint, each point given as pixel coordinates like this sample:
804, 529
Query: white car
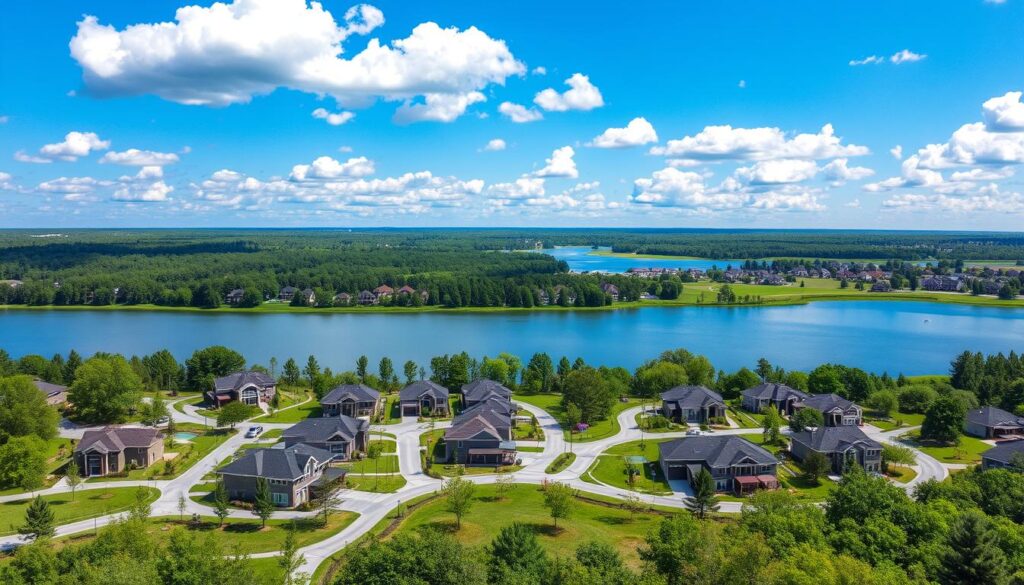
253, 432
694, 433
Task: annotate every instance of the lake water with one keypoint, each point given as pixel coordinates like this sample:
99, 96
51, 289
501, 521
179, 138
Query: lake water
894, 336
580, 259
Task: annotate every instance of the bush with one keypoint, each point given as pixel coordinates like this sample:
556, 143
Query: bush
916, 398
657, 421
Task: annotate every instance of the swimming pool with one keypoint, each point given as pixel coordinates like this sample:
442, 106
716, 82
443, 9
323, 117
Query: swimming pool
185, 436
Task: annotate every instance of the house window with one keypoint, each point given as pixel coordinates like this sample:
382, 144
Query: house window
279, 498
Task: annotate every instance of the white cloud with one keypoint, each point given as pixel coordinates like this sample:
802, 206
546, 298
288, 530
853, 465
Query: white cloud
521, 188
74, 146
518, 113
897, 58
227, 53
982, 202
906, 56
671, 187
326, 167
539, 70
68, 185
334, 119
1004, 113
345, 149
495, 144
561, 164
638, 132
5, 182
583, 95
772, 172
787, 200
147, 186
22, 156
719, 143
839, 171
437, 107
139, 158
897, 152
853, 204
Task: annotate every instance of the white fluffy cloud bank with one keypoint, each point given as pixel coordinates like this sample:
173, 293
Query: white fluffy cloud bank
74, 146
725, 143
226, 53
581, 95
637, 133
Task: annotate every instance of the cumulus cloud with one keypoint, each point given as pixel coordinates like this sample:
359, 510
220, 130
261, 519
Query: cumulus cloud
334, 119
980, 202
69, 185
147, 186
437, 107
561, 164
227, 53
139, 158
637, 133
582, 95
521, 188
1004, 113
74, 146
772, 172
722, 143
897, 58
897, 152
495, 144
518, 113
688, 191
539, 70
839, 171
326, 167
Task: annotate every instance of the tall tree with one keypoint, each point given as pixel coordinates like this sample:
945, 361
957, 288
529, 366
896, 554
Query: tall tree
703, 500
38, 519
516, 551
233, 413
70, 366
588, 390
458, 494
770, 426
263, 504
410, 369
386, 371
106, 390
221, 504
362, 364
212, 362
312, 370
291, 372
943, 421
560, 499
539, 375
24, 411
972, 554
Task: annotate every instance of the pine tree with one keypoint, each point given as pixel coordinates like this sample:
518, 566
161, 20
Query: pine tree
972, 553
517, 551
263, 505
703, 500
38, 519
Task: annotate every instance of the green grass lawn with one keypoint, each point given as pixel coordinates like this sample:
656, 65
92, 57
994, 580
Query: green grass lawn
392, 414
901, 473
272, 434
610, 468
86, 504
641, 421
524, 449
180, 404
293, 415
188, 454
561, 462
488, 515
552, 403
379, 484
969, 450
382, 464
896, 421
265, 570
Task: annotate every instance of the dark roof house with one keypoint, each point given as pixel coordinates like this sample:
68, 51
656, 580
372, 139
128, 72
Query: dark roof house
836, 410
734, 463
1002, 455
843, 445
249, 387
989, 422
54, 393
351, 400
423, 396
289, 473
692, 404
482, 389
341, 435
767, 394
113, 450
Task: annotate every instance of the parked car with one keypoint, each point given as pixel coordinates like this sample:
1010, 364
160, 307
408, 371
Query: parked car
253, 432
694, 433
163, 420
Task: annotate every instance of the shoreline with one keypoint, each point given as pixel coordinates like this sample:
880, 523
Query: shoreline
682, 302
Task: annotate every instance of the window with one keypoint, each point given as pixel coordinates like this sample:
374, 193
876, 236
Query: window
280, 499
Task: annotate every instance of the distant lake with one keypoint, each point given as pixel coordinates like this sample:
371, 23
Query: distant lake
896, 336
580, 259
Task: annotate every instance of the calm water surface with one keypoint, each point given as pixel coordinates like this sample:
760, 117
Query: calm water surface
894, 336
580, 259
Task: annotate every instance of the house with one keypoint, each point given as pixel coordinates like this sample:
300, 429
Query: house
692, 404
383, 291
611, 290
308, 296
406, 290
837, 410
343, 299
843, 445
249, 387
1002, 455
353, 400
55, 393
287, 293
480, 390
767, 394
736, 464
235, 296
340, 435
482, 434
942, 283
881, 286
423, 396
113, 450
989, 422
290, 473
368, 298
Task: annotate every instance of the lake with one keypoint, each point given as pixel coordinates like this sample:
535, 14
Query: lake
894, 336
580, 259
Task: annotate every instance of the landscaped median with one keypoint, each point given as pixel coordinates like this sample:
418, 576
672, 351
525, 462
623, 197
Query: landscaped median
552, 404
68, 508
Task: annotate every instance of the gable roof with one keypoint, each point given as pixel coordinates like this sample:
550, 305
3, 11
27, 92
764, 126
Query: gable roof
482, 388
990, 416
356, 392
49, 389
423, 387
115, 439
471, 427
831, 439
715, 451
491, 404
1004, 451
773, 391
827, 402
238, 380
692, 397
287, 464
319, 430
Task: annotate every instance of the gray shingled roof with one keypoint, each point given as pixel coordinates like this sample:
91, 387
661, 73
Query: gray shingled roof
1004, 451
49, 389
114, 439
715, 451
319, 430
492, 404
482, 388
991, 416
357, 392
692, 397
286, 464
423, 387
471, 427
830, 439
826, 402
238, 380
773, 391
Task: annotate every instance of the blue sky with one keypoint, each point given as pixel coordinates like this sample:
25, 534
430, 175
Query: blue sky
723, 114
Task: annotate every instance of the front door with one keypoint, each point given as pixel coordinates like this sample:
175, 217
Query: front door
94, 464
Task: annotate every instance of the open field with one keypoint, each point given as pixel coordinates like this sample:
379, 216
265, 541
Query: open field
66, 508
968, 451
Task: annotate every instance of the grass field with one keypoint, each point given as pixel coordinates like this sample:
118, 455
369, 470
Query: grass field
379, 484
610, 468
386, 463
293, 415
969, 450
488, 515
86, 504
896, 421
552, 403
561, 462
